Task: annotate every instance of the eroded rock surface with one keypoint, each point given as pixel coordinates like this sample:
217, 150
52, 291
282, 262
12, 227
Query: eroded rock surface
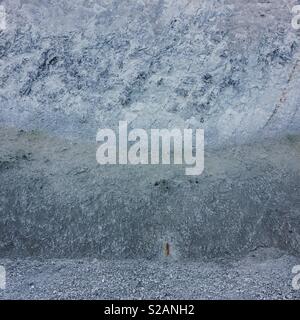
70, 67
56, 201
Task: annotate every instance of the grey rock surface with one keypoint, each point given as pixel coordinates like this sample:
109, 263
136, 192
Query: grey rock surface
56, 201
70, 67
231, 67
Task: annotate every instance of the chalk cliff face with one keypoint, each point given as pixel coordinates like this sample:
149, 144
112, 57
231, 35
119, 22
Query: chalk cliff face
70, 67
230, 67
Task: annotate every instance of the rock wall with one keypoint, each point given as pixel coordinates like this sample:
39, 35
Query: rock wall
231, 67
56, 202
70, 67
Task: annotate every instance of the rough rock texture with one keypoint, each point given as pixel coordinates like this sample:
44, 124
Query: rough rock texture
70, 67
56, 201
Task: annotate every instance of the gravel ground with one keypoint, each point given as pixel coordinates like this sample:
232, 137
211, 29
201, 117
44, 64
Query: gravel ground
264, 274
